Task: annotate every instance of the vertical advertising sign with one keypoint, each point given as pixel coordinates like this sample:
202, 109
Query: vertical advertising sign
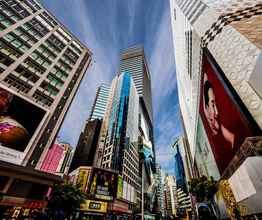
83, 178
226, 121
120, 187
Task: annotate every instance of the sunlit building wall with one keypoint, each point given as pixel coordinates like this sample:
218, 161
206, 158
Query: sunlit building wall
219, 41
100, 103
42, 63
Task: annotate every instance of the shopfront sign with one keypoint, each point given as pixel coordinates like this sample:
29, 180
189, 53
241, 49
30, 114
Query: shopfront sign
94, 206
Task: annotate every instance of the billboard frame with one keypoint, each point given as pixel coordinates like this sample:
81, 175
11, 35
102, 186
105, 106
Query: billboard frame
241, 107
22, 155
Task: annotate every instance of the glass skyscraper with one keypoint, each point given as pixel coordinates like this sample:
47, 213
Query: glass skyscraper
100, 103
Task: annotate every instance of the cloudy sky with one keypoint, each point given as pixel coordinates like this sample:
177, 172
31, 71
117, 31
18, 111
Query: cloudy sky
106, 27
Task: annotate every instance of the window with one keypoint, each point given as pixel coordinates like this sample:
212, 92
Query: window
40, 28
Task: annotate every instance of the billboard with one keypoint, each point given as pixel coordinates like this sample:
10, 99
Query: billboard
103, 184
226, 121
19, 120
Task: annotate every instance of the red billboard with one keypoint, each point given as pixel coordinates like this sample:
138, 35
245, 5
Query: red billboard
225, 118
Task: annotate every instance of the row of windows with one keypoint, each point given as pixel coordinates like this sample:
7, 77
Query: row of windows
11, 11
16, 43
29, 76
17, 84
44, 99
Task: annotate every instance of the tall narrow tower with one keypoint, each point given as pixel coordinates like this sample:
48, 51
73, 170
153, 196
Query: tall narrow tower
133, 61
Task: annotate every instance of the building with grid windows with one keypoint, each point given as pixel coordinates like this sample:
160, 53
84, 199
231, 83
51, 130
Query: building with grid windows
41, 66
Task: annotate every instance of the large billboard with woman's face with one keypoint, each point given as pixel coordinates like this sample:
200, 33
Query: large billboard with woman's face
19, 120
226, 121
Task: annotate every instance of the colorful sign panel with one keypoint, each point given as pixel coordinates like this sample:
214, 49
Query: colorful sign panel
224, 119
120, 187
103, 184
94, 206
82, 179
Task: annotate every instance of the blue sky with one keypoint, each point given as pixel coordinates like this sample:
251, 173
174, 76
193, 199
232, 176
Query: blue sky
106, 27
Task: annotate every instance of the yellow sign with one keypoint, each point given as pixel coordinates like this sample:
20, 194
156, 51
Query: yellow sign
83, 178
94, 206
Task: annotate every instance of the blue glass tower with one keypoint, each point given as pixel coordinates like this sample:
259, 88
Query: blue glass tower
179, 170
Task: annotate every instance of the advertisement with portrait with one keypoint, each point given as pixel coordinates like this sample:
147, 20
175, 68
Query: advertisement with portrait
103, 184
19, 121
226, 120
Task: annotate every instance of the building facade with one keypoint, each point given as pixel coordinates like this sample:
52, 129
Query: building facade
133, 60
160, 190
58, 159
218, 54
42, 65
87, 145
100, 103
171, 196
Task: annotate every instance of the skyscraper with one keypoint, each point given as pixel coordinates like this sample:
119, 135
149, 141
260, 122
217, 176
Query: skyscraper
100, 103
42, 65
133, 61
122, 134
171, 196
87, 145
160, 189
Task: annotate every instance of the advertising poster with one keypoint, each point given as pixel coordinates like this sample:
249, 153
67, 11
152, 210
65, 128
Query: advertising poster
103, 184
82, 179
19, 119
225, 122
120, 187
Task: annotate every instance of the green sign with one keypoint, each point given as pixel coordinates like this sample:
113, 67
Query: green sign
120, 187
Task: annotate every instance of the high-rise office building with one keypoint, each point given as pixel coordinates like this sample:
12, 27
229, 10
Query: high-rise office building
120, 146
170, 196
100, 103
42, 65
183, 165
160, 189
133, 61
87, 145
118, 141
218, 61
